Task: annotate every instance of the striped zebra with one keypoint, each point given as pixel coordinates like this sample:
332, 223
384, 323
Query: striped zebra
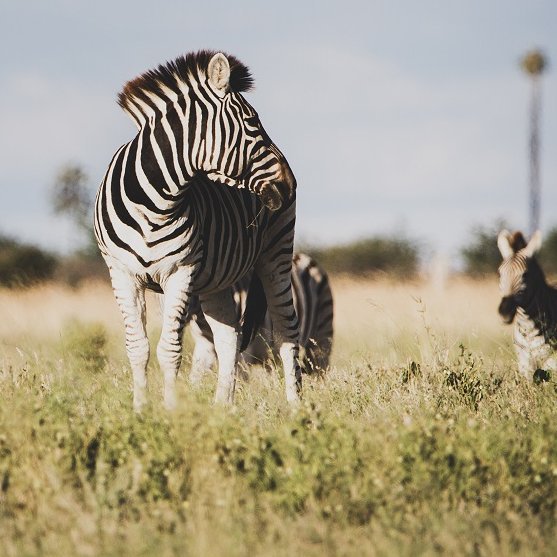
529, 301
165, 221
313, 301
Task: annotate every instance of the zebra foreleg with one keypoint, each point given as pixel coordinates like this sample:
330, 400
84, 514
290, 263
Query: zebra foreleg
130, 296
220, 312
278, 291
169, 348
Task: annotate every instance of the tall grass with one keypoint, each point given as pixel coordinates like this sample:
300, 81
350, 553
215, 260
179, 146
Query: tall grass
421, 440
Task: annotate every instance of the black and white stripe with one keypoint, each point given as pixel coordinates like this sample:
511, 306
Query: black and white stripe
164, 220
313, 301
529, 301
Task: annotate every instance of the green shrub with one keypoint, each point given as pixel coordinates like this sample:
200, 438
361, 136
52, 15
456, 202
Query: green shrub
87, 344
548, 253
393, 255
481, 255
23, 264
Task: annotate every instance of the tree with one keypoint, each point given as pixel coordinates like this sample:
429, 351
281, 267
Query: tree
548, 253
71, 196
394, 255
481, 256
534, 63
24, 264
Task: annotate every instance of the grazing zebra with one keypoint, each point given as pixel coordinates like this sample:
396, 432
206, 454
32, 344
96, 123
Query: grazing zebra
313, 301
530, 302
165, 221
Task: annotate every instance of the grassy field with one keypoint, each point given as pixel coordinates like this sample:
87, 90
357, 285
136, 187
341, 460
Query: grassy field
421, 439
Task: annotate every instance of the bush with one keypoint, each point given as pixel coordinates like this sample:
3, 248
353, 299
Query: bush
74, 269
393, 255
481, 256
86, 343
23, 264
548, 253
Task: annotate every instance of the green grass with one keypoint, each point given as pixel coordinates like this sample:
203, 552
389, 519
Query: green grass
451, 454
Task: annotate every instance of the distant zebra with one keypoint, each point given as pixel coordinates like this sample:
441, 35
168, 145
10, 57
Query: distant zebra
313, 301
530, 302
164, 222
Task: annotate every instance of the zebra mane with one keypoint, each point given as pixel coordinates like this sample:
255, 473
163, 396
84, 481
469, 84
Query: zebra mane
183, 70
517, 241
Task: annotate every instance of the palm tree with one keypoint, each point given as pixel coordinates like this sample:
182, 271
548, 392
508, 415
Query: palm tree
534, 63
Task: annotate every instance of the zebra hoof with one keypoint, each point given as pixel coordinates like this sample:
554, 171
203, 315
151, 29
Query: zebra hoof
271, 197
541, 376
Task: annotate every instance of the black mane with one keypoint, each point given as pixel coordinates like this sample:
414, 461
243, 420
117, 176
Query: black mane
517, 241
181, 70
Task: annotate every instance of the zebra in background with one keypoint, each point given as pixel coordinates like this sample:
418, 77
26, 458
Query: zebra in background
313, 301
165, 221
529, 301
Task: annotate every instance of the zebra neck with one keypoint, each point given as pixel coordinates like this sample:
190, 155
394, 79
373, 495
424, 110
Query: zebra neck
160, 165
541, 310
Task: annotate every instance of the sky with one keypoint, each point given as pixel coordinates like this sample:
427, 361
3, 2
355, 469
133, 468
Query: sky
397, 117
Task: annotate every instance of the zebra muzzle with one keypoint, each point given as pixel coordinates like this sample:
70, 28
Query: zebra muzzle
271, 197
507, 309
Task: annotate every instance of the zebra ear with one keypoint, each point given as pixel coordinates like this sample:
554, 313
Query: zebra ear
504, 244
534, 244
219, 72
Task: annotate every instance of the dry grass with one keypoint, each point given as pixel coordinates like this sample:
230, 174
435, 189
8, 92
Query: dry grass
391, 320
395, 321
451, 455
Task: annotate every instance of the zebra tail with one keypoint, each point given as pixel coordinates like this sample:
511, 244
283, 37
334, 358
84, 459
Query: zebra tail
254, 314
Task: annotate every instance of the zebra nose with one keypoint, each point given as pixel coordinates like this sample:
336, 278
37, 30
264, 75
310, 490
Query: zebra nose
287, 184
507, 309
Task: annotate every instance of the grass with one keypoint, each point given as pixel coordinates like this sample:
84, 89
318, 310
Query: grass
421, 440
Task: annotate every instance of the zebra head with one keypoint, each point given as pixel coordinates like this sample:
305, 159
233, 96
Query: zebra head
519, 272
195, 120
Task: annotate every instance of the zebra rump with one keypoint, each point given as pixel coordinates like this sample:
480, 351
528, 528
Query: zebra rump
528, 301
313, 302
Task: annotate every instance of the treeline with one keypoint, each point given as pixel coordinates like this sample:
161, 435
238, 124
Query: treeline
396, 256
23, 265
71, 196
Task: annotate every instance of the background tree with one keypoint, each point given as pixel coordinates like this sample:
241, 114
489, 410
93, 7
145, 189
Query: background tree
394, 255
72, 197
24, 264
481, 255
548, 253
534, 63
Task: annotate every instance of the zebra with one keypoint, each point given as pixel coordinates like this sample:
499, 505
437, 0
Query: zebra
529, 301
313, 301
165, 219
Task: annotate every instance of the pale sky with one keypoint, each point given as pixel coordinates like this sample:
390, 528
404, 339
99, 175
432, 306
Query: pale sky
396, 116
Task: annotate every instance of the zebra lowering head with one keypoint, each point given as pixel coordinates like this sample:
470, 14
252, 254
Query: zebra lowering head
165, 221
530, 302
215, 131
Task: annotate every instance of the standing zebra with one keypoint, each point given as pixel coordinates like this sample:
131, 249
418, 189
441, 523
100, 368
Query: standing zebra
164, 221
313, 301
530, 302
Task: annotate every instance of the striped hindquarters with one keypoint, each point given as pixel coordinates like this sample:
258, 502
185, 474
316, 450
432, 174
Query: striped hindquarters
313, 301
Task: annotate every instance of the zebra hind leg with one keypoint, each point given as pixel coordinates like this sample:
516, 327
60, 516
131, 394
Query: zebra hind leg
130, 296
204, 355
220, 312
278, 291
169, 348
